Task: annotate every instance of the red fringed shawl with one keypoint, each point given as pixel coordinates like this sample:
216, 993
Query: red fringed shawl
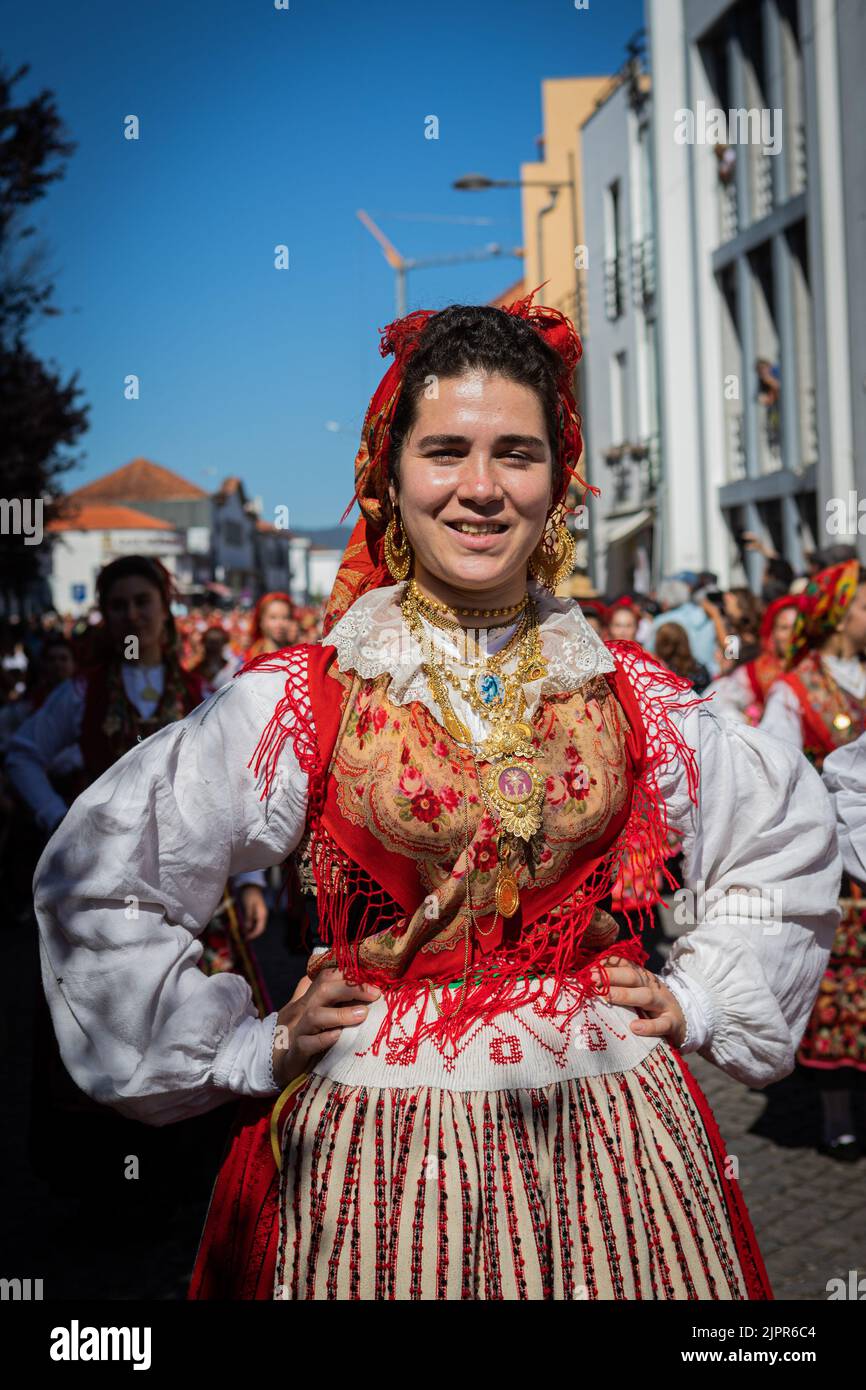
370, 897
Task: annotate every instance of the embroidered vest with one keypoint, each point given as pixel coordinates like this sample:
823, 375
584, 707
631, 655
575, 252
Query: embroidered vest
397, 813
111, 725
821, 703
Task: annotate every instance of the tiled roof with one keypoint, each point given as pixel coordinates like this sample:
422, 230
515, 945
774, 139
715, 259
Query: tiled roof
98, 516
139, 481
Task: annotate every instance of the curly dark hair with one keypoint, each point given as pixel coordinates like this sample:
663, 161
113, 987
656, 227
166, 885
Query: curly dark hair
478, 336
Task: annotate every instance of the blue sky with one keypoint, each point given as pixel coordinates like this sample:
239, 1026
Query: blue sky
261, 127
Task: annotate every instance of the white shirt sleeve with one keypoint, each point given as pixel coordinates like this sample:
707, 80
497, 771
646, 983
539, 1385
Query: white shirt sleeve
844, 775
781, 717
37, 746
761, 874
127, 884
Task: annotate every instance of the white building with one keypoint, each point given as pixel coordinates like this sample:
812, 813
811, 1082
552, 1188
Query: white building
621, 367
94, 535
760, 272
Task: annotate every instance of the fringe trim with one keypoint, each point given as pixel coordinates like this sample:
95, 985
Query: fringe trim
557, 945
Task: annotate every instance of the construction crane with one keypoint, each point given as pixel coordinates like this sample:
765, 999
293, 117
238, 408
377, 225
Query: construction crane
401, 265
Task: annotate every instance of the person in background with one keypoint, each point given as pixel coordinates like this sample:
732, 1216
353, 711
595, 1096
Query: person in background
215, 666
624, 620
275, 625
679, 607
672, 648
743, 612
819, 706
742, 693
596, 614
648, 610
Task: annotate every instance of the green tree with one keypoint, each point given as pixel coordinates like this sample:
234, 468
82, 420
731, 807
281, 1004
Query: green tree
40, 414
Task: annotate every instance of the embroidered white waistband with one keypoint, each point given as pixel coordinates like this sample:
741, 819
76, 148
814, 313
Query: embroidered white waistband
520, 1049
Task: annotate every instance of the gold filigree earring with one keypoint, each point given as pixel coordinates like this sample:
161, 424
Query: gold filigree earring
552, 560
398, 557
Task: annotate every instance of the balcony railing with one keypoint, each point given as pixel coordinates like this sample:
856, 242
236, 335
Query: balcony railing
763, 167
643, 273
636, 469
613, 287
736, 447
799, 169
729, 220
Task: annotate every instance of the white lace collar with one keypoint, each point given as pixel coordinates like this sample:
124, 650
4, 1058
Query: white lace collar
372, 637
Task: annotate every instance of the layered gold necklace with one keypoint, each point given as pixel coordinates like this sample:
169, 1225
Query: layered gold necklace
512, 787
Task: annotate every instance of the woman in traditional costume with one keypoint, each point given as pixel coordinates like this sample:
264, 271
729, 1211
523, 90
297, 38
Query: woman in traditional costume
481, 1091
274, 625
819, 706
742, 694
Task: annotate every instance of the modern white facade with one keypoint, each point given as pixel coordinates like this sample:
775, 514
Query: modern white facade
760, 367
621, 358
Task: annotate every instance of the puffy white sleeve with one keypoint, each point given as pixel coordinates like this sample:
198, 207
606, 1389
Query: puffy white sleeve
37, 747
124, 889
761, 874
844, 775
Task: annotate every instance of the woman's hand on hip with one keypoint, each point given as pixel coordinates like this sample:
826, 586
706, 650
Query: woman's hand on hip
313, 1020
636, 988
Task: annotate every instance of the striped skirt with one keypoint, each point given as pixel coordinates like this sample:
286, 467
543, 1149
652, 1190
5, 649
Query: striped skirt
607, 1187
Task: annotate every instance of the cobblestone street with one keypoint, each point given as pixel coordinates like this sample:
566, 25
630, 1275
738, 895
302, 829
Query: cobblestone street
809, 1211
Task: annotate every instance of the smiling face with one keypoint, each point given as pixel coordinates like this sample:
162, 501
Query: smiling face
475, 487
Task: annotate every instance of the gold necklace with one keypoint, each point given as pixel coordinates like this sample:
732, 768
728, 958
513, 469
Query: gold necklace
425, 601
499, 699
842, 720
516, 790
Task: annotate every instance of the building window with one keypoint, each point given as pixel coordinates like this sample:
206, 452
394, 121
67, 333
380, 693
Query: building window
613, 295
232, 534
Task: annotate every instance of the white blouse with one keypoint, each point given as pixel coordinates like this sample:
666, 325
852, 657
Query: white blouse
844, 774
128, 881
56, 727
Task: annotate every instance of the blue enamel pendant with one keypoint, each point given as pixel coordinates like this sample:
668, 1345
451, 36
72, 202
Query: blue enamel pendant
490, 688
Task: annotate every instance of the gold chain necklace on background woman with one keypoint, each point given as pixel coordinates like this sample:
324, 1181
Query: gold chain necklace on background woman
842, 721
513, 792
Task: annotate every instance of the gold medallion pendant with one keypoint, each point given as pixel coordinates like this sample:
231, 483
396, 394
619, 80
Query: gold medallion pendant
842, 722
516, 789
507, 893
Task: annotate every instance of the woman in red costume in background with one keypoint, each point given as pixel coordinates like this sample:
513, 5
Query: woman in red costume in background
819, 705
274, 625
480, 1092
743, 693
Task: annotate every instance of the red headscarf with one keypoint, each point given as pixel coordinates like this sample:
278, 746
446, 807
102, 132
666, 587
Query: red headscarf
363, 565
257, 637
772, 612
823, 604
594, 608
